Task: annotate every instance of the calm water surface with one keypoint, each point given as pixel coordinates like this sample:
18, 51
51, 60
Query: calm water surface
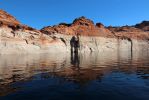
74, 77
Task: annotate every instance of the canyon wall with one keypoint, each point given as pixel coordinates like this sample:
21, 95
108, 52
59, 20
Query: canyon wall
16, 38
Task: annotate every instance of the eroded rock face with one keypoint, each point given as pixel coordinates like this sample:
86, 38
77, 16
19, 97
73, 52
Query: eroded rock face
130, 32
6, 18
85, 27
81, 26
144, 26
18, 38
125, 40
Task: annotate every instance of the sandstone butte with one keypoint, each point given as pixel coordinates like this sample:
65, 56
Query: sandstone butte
18, 38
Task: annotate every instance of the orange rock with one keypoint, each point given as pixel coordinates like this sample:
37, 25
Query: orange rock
130, 32
81, 26
6, 18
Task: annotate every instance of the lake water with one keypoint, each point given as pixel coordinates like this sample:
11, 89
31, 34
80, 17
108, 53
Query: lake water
74, 77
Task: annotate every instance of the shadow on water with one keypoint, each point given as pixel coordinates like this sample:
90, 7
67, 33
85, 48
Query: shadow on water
75, 59
74, 76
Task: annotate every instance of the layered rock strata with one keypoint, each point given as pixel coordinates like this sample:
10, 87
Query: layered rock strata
18, 38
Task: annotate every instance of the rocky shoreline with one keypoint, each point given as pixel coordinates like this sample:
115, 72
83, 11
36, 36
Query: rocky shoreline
16, 38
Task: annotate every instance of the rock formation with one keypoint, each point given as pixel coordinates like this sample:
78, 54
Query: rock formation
81, 26
7, 19
144, 26
18, 38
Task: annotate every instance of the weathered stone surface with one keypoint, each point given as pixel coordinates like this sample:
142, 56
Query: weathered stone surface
81, 26
129, 32
144, 26
6, 18
18, 38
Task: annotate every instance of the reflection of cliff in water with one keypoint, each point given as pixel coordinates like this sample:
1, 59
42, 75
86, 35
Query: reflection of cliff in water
79, 68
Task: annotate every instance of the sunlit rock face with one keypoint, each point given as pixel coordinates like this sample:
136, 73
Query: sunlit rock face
27, 41
18, 38
7, 19
111, 40
80, 26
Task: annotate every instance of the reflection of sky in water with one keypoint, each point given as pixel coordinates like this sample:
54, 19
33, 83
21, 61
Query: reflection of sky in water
74, 77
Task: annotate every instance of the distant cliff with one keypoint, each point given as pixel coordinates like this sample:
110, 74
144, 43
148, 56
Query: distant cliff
18, 38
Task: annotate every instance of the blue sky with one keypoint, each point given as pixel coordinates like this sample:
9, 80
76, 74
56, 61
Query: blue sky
40, 13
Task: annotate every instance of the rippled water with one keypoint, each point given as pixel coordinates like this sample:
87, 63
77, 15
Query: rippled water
74, 77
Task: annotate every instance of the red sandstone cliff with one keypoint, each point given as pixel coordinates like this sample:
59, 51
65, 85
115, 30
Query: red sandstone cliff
81, 26
130, 32
7, 20
16, 37
86, 27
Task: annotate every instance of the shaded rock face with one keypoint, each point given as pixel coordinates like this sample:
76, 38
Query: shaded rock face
100, 25
144, 26
83, 21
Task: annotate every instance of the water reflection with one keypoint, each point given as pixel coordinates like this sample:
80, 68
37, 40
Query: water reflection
75, 59
75, 68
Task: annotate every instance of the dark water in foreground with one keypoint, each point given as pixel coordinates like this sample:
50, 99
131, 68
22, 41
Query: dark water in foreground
82, 77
